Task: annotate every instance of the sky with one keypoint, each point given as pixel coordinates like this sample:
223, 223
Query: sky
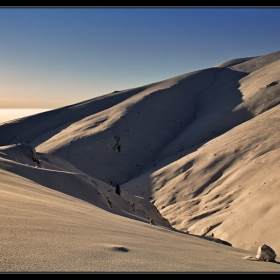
52, 57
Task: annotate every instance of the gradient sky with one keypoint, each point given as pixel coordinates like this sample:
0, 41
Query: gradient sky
53, 57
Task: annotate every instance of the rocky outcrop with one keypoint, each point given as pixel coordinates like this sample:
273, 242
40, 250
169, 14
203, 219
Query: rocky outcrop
265, 253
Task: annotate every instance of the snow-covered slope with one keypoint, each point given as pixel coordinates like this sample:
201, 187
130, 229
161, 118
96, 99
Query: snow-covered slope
203, 147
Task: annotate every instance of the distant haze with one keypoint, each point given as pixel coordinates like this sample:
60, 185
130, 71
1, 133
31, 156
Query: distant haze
11, 114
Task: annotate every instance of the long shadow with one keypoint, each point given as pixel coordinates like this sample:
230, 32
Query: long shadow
214, 111
214, 114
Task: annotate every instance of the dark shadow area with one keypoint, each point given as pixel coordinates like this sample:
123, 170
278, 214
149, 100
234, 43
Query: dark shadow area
120, 249
205, 115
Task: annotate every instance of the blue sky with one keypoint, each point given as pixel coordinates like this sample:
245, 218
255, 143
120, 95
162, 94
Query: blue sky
53, 57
